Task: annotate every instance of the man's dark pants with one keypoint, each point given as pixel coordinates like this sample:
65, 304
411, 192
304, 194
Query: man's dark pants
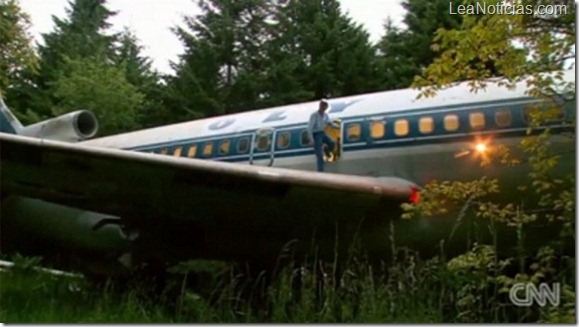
321, 138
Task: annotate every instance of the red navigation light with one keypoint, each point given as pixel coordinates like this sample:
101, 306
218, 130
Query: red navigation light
415, 195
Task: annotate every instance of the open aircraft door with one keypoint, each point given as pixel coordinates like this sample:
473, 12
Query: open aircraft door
336, 135
262, 147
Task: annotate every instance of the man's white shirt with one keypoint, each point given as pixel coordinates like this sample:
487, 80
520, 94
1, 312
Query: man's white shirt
318, 122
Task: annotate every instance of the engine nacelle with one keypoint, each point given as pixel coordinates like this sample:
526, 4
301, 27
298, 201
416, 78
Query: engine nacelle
65, 237
72, 127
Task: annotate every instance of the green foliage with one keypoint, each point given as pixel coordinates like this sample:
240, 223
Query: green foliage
484, 275
440, 198
403, 53
81, 35
139, 73
472, 287
219, 71
514, 48
511, 46
397, 67
84, 66
89, 84
323, 50
247, 55
243, 55
38, 297
24, 264
17, 57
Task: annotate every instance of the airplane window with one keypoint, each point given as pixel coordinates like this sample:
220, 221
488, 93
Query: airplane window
354, 132
477, 120
224, 147
377, 129
426, 125
503, 118
177, 151
283, 140
208, 149
305, 138
401, 127
192, 151
164, 151
243, 145
263, 142
451, 123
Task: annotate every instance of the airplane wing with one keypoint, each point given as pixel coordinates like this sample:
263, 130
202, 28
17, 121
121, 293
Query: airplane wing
188, 208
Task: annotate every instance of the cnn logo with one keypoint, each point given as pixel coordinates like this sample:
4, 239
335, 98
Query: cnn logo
525, 294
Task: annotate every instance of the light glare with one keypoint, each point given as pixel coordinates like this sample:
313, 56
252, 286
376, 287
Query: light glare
481, 147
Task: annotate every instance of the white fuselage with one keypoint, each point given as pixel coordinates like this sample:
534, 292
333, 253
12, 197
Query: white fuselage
383, 134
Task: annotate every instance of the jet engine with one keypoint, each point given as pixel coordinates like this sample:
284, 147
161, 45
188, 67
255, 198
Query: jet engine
72, 127
66, 238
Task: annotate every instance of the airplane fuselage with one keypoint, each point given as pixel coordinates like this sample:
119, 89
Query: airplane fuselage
386, 134
382, 134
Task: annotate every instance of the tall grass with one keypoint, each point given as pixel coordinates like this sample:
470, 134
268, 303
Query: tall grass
37, 297
468, 288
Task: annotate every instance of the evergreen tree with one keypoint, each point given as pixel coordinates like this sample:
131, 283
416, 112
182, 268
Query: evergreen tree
139, 69
81, 35
84, 66
404, 53
18, 60
243, 55
317, 51
140, 73
16, 53
219, 72
397, 64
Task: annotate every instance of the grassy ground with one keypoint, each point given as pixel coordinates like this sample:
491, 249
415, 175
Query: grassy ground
465, 289
33, 297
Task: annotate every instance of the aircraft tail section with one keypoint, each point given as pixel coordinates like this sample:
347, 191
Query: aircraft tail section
8, 122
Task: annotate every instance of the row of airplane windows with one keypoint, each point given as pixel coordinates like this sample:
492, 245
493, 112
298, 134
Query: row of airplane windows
426, 125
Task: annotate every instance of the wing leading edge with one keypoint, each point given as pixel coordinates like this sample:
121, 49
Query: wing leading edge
186, 208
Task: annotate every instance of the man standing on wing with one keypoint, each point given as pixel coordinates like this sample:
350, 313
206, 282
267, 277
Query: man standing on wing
318, 122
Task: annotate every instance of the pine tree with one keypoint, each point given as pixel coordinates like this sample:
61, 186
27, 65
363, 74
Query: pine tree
17, 57
18, 60
85, 66
317, 51
397, 63
140, 73
220, 71
404, 53
81, 35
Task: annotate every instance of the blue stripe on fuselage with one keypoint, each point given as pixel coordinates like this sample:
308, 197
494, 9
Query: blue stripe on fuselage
389, 139
398, 114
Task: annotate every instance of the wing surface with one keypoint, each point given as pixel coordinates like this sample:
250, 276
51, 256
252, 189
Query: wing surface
200, 208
